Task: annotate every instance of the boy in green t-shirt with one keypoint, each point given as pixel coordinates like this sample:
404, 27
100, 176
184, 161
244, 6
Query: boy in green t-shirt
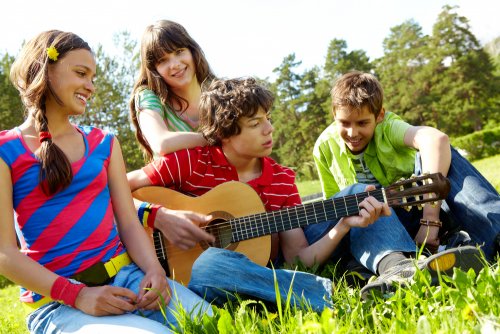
366, 144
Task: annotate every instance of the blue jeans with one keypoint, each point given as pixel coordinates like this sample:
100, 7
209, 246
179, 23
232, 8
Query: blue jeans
59, 318
218, 273
473, 204
370, 244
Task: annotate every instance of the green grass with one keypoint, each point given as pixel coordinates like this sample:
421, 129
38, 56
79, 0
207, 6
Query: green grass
11, 310
308, 187
465, 303
490, 168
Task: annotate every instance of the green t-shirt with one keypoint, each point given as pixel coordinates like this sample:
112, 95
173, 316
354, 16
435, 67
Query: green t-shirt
386, 156
147, 99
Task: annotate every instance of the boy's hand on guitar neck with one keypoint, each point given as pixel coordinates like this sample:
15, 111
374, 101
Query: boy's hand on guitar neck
182, 228
370, 209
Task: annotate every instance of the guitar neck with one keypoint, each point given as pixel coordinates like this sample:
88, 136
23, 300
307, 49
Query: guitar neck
266, 223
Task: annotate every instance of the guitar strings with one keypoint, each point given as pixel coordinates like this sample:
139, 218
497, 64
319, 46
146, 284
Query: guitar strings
248, 231
253, 226
274, 221
249, 226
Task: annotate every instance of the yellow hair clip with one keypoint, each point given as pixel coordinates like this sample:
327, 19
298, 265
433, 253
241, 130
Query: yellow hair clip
52, 53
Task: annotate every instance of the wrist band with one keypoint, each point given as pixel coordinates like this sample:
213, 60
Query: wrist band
65, 292
427, 222
147, 214
141, 211
152, 215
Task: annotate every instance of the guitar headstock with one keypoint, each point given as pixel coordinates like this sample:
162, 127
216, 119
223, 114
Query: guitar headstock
417, 190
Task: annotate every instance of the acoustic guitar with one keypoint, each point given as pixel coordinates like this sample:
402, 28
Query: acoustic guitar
240, 222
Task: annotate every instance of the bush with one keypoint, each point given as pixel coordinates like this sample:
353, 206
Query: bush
480, 144
4, 282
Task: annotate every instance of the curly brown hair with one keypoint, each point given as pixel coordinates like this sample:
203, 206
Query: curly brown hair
226, 101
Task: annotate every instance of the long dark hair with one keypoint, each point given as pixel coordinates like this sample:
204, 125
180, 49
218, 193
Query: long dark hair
160, 38
29, 74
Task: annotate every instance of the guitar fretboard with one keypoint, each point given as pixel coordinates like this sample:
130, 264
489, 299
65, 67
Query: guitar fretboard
298, 216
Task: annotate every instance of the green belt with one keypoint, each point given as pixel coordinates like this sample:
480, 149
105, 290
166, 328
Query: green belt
101, 272
97, 274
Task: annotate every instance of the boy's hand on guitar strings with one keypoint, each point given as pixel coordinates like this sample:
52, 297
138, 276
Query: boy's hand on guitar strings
183, 228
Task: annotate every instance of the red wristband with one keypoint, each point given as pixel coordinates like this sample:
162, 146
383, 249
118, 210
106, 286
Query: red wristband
64, 291
152, 215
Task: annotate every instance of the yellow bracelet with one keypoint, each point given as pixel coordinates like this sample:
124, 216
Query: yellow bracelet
428, 222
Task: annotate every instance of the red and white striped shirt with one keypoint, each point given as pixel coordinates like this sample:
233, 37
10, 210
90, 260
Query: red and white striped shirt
197, 170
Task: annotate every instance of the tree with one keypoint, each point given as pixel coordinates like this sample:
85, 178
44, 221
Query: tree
463, 80
108, 108
402, 73
11, 107
285, 112
338, 61
298, 116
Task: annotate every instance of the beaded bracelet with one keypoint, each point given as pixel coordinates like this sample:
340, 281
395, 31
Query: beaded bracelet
427, 222
63, 290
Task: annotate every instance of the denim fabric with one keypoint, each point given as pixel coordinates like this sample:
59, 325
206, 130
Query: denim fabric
218, 273
370, 244
473, 204
58, 318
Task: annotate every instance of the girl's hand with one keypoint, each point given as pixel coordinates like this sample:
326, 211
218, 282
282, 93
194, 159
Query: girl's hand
106, 300
152, 286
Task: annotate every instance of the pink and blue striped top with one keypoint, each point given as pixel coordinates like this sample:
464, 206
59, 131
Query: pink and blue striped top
73, 229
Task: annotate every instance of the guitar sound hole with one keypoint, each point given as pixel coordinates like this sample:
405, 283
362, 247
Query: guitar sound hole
221, 230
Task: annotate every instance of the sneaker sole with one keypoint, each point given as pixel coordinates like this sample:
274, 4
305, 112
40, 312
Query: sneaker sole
463, 258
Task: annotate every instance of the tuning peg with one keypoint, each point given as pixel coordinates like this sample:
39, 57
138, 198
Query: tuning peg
407, 207
434, 204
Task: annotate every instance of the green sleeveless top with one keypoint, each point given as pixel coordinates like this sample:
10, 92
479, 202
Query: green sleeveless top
147, 99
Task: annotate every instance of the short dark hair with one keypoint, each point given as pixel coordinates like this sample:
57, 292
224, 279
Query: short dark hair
356, 90
226, 101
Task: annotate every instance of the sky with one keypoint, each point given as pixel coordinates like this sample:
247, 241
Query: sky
244, 37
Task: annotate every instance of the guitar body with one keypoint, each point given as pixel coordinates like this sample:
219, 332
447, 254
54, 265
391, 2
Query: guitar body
224, 202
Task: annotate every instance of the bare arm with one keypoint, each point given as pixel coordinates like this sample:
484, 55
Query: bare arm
181, 228
13, 264
133, 235
163, 141
434, 147
137, 179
